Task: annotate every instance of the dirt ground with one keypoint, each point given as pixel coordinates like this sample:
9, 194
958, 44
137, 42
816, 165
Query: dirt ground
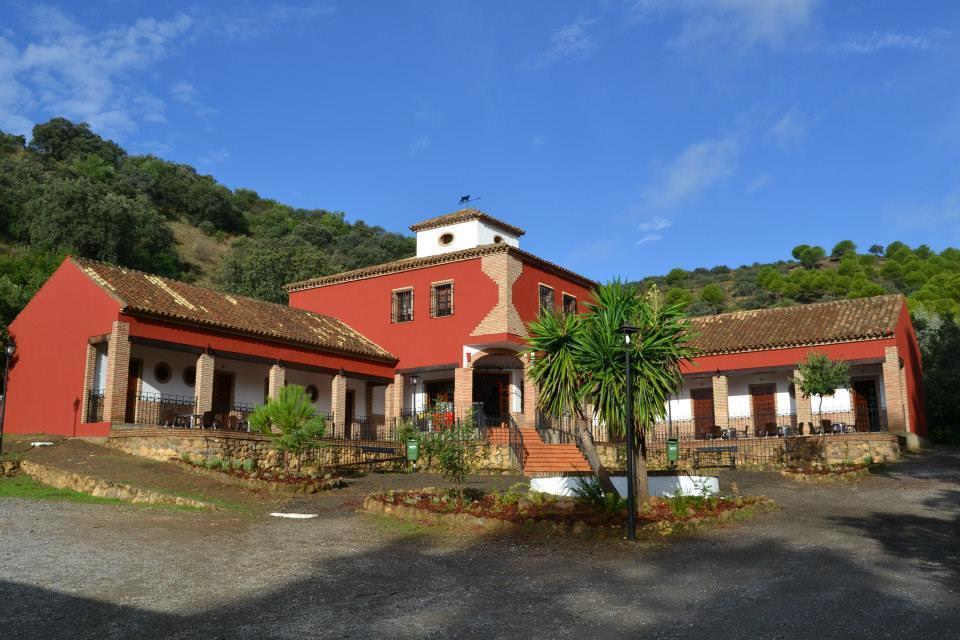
878, 558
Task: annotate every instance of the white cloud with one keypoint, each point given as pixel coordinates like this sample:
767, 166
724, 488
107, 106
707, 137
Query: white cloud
737, 23
696, 168
789, 128
654, 224
865, 44
184, 92
419, 145
650, 237
246, 21
73, 72
567, 42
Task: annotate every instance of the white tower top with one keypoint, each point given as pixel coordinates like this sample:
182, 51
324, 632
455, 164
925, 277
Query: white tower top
464, 229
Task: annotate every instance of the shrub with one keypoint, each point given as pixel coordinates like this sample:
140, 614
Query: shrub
589, 491
248, 465
454, 452
289, 420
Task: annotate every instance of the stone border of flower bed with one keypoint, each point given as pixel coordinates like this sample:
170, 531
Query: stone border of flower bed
307, 486
827, 475
373, 504
59, 479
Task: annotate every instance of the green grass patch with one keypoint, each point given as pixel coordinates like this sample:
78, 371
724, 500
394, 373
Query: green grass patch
25, 486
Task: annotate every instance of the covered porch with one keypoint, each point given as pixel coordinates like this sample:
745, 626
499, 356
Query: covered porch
136, 381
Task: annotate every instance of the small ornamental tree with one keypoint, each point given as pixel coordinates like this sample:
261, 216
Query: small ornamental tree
454, 450
821, 376
290, 421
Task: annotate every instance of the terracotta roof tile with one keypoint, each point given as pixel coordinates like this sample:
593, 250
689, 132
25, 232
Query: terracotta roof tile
145, 293
463, 216
407, 264
802, 325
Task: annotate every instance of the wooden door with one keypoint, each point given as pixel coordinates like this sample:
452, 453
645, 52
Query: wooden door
865, 405
702, 411
133, 384
222, 397
763, 398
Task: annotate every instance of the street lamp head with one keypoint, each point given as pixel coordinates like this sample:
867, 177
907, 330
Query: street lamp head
10, 349
626, 330
414, 380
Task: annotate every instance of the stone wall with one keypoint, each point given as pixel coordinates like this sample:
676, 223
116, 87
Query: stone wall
163, 444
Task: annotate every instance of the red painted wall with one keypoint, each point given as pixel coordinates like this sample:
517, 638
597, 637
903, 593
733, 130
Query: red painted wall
786, 357
909, 350
526, 291
157, 330
365, 306
46, 379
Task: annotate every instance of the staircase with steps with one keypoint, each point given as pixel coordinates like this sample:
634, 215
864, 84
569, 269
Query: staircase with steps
550, 459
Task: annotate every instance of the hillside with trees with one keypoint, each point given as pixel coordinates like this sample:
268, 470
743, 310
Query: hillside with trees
69, 191
930, 280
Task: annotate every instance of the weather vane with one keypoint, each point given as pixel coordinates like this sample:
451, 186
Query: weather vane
467, 199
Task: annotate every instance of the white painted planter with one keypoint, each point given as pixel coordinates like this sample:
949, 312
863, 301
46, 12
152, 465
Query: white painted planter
661, 486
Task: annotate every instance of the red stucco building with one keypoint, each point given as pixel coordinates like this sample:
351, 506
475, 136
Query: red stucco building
101, 345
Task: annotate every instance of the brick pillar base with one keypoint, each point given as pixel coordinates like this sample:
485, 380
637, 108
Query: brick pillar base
203, 385
893, 390
721, 401
463, 390
804, 403
275, 381
118, 370
531, 396
338, 403
88, 374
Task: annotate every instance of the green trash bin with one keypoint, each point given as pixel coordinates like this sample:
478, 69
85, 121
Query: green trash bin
413, 450
673, 450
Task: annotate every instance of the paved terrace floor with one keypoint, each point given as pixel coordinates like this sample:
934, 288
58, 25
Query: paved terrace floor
878, 559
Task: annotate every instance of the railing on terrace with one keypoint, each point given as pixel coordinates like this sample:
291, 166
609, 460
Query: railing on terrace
435, 420
163, 410
373, 427
94, 406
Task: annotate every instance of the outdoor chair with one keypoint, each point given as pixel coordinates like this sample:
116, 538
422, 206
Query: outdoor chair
716, 432
729, 434
770, 430
826, 426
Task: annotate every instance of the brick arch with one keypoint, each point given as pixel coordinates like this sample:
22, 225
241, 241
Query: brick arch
479, 355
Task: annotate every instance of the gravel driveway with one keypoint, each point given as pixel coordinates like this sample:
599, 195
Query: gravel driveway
878, 559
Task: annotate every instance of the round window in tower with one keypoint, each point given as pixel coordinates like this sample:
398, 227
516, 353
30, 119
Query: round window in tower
190, 376
446, 239
162, 373
497, 239
312, 392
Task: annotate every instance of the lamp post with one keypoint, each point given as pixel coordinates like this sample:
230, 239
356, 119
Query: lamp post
8, 351
631, 470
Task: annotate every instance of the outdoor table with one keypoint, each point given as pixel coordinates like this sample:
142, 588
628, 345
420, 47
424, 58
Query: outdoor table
192, 420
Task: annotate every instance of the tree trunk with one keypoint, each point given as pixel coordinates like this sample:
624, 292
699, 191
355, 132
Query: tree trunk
589, 449
641, 483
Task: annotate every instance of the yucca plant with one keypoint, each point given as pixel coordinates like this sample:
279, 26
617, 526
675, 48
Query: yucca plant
581, 360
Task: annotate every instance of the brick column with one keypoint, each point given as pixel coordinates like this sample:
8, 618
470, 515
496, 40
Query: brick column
338, 402
203, 386
721, 401
531, 396
88, 374
275, 381
118, 369
393, 398
893, 390
462, 389
804, 403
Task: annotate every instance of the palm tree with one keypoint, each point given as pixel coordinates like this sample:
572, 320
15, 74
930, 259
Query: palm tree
582, 360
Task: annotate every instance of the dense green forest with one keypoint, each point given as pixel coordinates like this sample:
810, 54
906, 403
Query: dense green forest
930, 280
70, 191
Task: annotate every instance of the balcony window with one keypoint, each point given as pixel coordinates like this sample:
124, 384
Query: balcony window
546, 299
401, 308
441, 300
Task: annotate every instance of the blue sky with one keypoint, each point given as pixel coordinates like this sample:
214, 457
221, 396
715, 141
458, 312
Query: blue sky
627, 137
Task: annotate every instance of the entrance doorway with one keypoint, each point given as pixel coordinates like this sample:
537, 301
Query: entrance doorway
349, 413
866, 405
493, 391
439, 392
222, 397
133, 384
763, 400
702, 411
